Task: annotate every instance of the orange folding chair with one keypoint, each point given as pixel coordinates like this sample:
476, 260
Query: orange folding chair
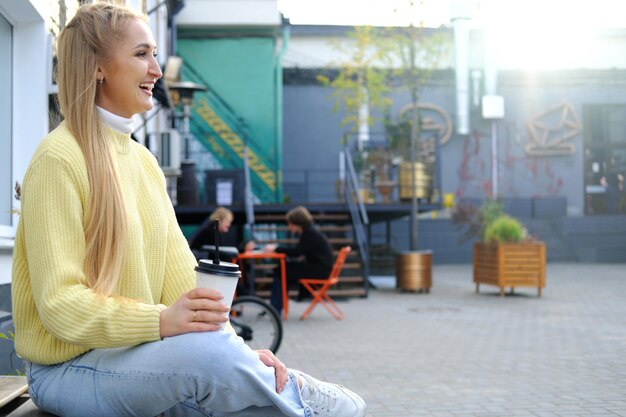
319, 287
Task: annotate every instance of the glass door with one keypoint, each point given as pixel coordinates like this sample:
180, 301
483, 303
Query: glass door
6, 166
605, 159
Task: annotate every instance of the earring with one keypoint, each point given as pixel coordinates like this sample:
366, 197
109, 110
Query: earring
101, 81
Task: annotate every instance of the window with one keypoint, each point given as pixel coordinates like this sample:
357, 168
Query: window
605, 159
6, 148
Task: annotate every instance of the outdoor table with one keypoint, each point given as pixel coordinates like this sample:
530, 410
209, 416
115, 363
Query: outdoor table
283, 272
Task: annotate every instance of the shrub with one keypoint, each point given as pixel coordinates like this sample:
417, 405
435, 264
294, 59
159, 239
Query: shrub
475, 219
504, 229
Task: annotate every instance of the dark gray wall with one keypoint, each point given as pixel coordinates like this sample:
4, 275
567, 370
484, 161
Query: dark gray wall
534, 186
312, 132
311, 145
583, 239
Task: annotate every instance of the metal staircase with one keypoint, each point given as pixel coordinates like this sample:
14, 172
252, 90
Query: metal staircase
216, 125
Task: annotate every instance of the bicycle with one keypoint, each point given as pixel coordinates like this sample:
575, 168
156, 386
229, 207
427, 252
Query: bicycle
256, 322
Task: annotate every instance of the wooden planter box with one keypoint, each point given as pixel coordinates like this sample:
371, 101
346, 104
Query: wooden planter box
510, 265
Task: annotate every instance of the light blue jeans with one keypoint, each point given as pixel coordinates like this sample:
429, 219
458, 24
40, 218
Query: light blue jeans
192, 375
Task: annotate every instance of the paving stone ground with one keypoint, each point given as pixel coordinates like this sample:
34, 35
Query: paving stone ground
455, 353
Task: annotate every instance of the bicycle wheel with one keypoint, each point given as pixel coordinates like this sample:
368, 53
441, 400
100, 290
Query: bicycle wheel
256, 322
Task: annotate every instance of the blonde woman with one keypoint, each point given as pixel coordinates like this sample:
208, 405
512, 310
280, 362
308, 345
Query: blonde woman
107, 317
205, 235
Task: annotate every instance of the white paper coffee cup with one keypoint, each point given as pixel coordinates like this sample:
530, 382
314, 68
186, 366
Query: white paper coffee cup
222, 277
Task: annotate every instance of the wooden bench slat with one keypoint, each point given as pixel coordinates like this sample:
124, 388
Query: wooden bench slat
11, 387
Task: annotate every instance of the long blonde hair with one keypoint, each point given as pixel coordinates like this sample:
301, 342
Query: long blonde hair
222, 214
85, 42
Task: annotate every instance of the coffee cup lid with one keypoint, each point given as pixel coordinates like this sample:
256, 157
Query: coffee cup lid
223, 268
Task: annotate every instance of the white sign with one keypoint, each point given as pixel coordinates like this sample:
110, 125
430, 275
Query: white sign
493, 107
224, 192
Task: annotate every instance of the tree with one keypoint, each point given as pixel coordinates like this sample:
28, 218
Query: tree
361, 79
378, 59
414, 54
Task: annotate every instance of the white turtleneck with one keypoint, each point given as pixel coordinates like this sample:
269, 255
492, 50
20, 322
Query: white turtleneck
119, 123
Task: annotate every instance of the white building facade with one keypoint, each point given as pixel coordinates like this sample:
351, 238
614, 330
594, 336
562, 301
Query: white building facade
27, 34
25, 80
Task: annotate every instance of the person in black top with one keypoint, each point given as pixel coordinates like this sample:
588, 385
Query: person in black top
312, 257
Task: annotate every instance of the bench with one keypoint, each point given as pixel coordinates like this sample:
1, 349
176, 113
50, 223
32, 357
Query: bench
14, 400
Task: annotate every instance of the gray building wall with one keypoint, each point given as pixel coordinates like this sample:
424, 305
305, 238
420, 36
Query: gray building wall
310, 125
311, 144
547, 192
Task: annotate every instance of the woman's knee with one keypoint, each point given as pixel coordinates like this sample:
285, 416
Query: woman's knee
219, 351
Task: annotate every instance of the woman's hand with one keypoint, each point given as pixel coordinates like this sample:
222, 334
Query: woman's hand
282, 375
199, 310
249, 246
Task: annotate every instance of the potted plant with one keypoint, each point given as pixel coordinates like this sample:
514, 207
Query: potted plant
505, 255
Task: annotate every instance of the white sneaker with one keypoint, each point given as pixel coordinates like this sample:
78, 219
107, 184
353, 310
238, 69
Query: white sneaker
330, 400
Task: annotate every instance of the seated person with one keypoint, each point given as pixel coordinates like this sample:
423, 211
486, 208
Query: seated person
205, 235
312, 257
202, 244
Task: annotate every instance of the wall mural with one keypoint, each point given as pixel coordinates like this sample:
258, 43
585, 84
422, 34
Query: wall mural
550, 130
474, 179
526, 168
550, 134
520, 172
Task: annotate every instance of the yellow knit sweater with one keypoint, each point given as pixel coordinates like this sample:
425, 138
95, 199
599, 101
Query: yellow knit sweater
56, 316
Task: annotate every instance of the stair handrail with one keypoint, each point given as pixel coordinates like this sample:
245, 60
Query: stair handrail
237, 124
236, 120
354, 182
358, 214
248, 201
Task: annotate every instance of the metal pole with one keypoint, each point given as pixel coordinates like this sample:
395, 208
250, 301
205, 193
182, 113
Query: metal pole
494, 160
186, 115
415, 128
249, 226
414, 207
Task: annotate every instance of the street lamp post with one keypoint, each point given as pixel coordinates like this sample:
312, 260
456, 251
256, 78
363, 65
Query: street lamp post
185, 90
187, 189
493, 109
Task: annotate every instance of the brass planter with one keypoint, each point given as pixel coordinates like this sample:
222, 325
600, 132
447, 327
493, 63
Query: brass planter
423, 181
414, 271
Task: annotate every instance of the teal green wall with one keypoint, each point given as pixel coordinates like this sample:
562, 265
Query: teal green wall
242, 71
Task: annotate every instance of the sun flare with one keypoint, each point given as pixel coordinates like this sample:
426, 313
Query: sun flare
552, 34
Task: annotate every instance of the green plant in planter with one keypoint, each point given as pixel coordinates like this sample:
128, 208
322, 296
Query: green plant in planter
507, 258
504, 229
476, 219
488, 223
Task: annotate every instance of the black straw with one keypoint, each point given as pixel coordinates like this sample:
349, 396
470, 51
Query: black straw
216, 229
